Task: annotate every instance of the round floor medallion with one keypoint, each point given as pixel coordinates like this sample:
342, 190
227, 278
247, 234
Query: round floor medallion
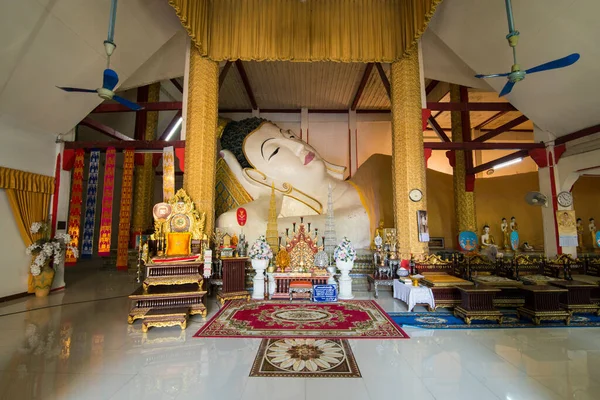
296, 315
308, 355
431, 320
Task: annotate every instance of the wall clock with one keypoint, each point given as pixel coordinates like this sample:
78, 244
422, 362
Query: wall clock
415, 195
565, 199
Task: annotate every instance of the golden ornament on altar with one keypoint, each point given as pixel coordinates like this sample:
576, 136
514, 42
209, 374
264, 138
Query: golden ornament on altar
283, 259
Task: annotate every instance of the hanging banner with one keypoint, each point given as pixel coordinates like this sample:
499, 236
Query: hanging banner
107, 203
168, 173
567, 228
75, 206
125, 210
242, 216
87, 245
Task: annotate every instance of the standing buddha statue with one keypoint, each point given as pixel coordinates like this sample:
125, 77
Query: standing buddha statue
505, 234
378, 232
592, 228
579, 234
513, 224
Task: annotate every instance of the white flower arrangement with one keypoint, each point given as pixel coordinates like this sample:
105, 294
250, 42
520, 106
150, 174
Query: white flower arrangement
260, 250
344, 251
46, 248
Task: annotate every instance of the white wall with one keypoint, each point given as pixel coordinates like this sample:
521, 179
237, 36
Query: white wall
24, 149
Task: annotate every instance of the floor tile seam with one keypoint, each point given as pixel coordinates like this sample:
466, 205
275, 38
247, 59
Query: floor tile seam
62, 305
544, 385
122, 386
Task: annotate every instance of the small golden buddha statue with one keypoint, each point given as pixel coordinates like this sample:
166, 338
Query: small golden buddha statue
579, 226
378, 232
487, 239
234, 241
283, 259
505, 234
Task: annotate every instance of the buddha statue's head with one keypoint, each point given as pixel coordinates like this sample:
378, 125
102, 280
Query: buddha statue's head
579, 221
486, 229
278, 154
503, 220
512, 219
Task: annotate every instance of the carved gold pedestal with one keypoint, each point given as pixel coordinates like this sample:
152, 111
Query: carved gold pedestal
468, 316
166, 317
223, 297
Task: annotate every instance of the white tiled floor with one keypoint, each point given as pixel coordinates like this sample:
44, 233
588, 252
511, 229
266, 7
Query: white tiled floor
77, 345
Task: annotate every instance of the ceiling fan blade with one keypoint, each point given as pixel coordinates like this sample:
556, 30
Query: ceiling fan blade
110, 79
491, 75
507, 88
127, 103
560, 63
73, 89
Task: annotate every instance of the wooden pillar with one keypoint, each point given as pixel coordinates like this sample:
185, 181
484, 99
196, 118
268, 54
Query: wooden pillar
408, 160
464, 196
201, 134
143, 193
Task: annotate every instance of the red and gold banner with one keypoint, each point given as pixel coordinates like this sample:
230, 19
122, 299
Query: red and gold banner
75, 205
107, 203
125, 210
168, 173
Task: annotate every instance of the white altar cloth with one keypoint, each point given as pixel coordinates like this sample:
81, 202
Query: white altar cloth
413, 295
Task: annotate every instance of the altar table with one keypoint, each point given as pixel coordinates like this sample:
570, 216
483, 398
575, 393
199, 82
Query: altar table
477, 303
413, 295
279, 282
542, 303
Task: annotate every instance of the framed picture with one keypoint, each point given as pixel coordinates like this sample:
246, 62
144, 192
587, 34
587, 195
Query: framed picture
423, 226
437, 243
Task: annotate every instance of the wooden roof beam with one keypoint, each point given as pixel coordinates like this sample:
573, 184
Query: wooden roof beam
491, 164
577, 135
431, 86
157, 106
105, 130
384, 80
438, 106
176, 83
246, 82
171, 125
138, 145
483, 146
501, 129
224, 72
490, 119
438, 130
361, 86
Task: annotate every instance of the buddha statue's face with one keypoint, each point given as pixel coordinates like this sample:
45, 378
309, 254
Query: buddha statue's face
280, 155
486, 230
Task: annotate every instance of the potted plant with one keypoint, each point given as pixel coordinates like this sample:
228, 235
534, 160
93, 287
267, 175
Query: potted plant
45, 253
344, 256
260, 253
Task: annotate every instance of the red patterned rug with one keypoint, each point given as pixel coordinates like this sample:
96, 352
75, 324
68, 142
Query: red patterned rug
356, 319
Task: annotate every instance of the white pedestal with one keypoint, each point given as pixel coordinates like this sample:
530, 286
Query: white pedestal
331, 271
259, 279
345, 281
270, 284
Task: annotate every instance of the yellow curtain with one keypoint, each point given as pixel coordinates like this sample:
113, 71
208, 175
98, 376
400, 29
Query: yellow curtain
29, 198
314, 30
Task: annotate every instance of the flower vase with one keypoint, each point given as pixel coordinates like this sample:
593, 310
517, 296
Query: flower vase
345, 281
259, 279
43, 282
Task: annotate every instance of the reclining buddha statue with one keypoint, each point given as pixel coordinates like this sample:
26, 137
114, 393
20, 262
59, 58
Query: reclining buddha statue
259, 154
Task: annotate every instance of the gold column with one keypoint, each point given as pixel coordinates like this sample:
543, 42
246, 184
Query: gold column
201, 134
408, 158
464, 202
144, 174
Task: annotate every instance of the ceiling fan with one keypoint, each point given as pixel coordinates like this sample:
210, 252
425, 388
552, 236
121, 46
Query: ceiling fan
110, 77
516, 74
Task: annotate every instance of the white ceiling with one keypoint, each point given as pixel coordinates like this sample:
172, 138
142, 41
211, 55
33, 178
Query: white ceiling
59, 42
560, 101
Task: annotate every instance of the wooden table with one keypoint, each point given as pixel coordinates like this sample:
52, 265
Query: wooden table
578, 297
477, 303
145, 304
376, 282
510, 290
542, 302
